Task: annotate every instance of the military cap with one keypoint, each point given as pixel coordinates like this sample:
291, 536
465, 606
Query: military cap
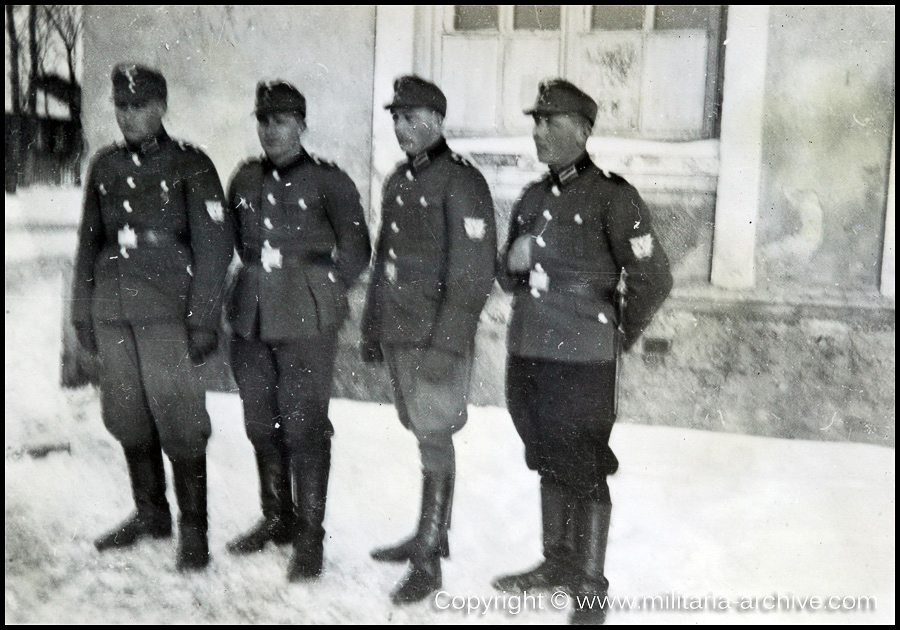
558, 96
413, 91
278, 96
133, 83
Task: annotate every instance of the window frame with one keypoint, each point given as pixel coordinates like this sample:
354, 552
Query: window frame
575, 21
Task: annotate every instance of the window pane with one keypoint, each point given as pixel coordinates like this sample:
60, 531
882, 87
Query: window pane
610, 17
673, 16
536, 17
473, 17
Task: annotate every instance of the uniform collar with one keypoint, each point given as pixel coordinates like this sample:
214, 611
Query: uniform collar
417, 163
300, 158
150, 146
570, 173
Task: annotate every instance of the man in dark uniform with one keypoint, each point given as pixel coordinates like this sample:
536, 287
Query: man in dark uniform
303, 241
432, 275
574, 236
154, 246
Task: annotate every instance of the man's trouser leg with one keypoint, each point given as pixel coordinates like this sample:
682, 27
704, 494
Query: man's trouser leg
255, 370
128, 417
304, 391
148, 374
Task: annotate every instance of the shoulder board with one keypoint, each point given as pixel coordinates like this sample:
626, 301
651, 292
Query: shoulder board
253, 162
456, 157
322, 161
613, 177
109, 150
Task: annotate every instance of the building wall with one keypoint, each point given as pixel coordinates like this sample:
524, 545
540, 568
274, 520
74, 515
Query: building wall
827, 129
213, 56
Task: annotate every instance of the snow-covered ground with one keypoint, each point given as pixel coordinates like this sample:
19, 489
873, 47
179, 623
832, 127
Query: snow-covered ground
700, 519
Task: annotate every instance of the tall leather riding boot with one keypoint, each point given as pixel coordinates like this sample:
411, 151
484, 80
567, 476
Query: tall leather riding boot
559, 539
424, 575
402, 551
309, 473
190, 490
592, 586
148, 486
277, 506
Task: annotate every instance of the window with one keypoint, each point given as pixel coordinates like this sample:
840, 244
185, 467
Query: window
653, 70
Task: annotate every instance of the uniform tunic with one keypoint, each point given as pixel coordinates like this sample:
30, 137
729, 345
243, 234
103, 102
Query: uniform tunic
588, 229
154, 246
303, 241
434, 268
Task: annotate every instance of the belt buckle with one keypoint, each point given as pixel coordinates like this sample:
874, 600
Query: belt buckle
390, 272
127, 240
538, 280
270, 257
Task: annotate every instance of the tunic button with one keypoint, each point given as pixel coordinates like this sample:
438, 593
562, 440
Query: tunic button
555, 191
127, 205
540, 241
130, 182
399, 200
578, 219
423, 202
271, 198
268, 223
302, 203
392, 253
409, 175
602, 318
276, 176
135, 159
164, 186
102, 189
331, 276
547, 215
395, 227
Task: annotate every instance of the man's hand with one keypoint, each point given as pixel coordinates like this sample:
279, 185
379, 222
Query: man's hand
437, 364
370, 351
519, 257
201, 344
85, 334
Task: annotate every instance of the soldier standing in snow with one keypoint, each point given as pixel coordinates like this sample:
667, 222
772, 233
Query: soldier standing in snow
433, 272
302, 237
574, 235
153, 249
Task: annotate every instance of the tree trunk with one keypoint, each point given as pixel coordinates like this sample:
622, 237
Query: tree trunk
33, 51
14, 141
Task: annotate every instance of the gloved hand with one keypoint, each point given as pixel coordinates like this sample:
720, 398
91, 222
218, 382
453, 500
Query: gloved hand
85, 334
201, 344
437, 364
370, 351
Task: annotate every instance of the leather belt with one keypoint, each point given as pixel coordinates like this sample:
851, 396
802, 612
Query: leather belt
158, 238
580, 283
251, 256
131, 238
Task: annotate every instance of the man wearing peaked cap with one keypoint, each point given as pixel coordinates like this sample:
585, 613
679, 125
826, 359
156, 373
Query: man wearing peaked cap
302, 238
432, 274
587, 273
153, 248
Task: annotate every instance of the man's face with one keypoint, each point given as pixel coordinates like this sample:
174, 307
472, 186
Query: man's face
140, 120
280, 134
417, 128
559, 138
